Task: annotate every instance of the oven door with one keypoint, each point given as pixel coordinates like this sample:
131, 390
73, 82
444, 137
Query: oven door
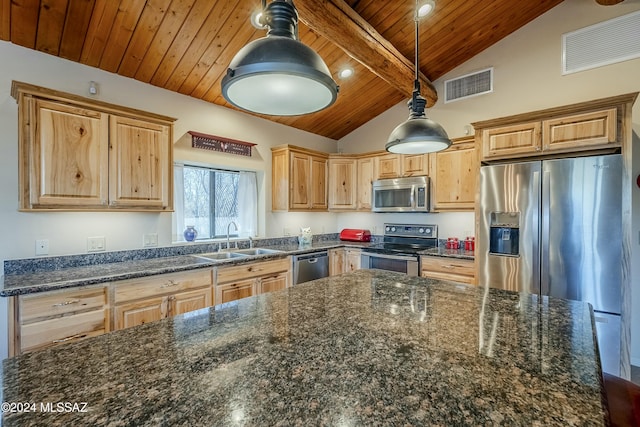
407, 264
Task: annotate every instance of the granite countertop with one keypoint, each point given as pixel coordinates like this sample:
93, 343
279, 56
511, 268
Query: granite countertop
449, 253
69, 277
364, 348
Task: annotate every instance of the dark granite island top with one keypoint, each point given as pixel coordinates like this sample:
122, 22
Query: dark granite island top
364, 348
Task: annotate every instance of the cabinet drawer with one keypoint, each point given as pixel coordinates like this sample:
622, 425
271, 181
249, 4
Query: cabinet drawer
162, 284
56, 304
458, 270
62, 330
245, 271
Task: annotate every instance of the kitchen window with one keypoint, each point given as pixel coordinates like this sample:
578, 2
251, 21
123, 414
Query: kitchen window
210, 199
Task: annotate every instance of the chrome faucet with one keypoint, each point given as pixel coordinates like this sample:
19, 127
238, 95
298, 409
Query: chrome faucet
250, 242
235, 226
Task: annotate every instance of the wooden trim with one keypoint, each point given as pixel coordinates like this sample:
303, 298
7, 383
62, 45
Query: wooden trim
559, 111
297, 149
18, 88
14, 326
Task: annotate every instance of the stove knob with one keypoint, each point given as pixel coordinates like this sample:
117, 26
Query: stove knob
420, 230
393, 229
387, 229
428, 231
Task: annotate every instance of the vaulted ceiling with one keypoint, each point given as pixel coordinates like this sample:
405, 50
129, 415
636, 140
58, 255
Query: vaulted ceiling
186, 45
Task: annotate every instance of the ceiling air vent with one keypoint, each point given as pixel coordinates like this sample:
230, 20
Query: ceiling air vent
468, 85
605, 43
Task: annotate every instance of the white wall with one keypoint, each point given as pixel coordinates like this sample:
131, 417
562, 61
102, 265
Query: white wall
527, 66
67, 232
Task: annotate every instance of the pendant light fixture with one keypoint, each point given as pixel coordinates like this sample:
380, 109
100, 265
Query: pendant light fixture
277, 74
418, 134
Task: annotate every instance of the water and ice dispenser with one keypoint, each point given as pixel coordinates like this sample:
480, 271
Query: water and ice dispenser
504, 237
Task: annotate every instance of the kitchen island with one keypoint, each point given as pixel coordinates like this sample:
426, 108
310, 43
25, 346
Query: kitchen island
363, 348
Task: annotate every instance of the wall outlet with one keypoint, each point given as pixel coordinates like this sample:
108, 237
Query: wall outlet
150, 240
96, 244
42, 247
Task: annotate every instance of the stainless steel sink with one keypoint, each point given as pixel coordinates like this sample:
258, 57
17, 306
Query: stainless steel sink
221, 255
256, 251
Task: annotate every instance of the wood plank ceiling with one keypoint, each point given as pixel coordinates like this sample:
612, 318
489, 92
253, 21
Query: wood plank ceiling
186, 45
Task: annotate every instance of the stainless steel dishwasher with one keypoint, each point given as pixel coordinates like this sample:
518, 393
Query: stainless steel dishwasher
310, 267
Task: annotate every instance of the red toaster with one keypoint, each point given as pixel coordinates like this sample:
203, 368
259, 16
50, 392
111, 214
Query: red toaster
355, 235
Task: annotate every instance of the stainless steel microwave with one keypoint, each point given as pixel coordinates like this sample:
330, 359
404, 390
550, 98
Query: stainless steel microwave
401, 195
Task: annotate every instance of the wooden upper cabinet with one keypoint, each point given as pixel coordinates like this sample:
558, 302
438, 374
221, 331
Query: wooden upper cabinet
571, 129
68, 155
510, 141
80, 154
139, 174
454, 175
388, 166
299, 179
415, 164
342, 183
366, 173
579, 131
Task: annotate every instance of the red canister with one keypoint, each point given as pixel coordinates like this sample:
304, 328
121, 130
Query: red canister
470, 244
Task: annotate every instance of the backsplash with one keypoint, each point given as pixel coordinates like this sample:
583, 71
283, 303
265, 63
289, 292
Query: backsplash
41, 264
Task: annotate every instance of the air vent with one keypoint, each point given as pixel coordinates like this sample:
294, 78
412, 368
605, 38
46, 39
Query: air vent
605, 43
469, 85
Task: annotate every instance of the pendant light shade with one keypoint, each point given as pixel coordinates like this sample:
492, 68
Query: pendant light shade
417, 135
278, 74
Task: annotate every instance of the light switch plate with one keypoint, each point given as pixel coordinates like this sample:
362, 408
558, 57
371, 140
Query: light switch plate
150, 240
96, 244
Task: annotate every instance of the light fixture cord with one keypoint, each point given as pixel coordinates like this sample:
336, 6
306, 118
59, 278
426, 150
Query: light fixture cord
418, 103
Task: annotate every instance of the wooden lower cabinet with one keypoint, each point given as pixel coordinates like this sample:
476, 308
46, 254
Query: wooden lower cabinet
245, 280
451, 269
344, 260
147, 299
48, 319
272, 283
234, 291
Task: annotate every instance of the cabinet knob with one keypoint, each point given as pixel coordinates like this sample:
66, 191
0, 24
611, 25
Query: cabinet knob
169, 284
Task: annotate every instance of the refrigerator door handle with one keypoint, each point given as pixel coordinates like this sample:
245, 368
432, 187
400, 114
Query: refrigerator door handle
536, 232
545, 285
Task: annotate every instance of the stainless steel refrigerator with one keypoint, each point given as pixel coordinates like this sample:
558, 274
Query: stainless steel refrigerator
554, 227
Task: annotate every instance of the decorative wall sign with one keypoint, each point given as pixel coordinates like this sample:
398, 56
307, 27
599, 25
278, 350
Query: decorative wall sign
218, 143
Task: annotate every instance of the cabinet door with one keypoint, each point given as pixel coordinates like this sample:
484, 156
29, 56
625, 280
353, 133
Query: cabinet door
580, 131
140, 164
184, 302
388, 166
452, 269
68, 155
272, 283
342, 184
336, 261
366, 174
352, 258
60, 330
141, 312
235, 291
415, 165
280, 180
318, 183
299, 181
454, 176
511, 141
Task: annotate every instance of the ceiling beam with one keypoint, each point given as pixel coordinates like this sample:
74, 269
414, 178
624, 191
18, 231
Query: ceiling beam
340, 24
608, 2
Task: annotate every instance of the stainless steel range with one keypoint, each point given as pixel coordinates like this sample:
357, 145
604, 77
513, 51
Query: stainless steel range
399, 248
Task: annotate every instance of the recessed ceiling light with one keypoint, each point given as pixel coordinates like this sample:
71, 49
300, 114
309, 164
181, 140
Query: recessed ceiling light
345, 73
426, 8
